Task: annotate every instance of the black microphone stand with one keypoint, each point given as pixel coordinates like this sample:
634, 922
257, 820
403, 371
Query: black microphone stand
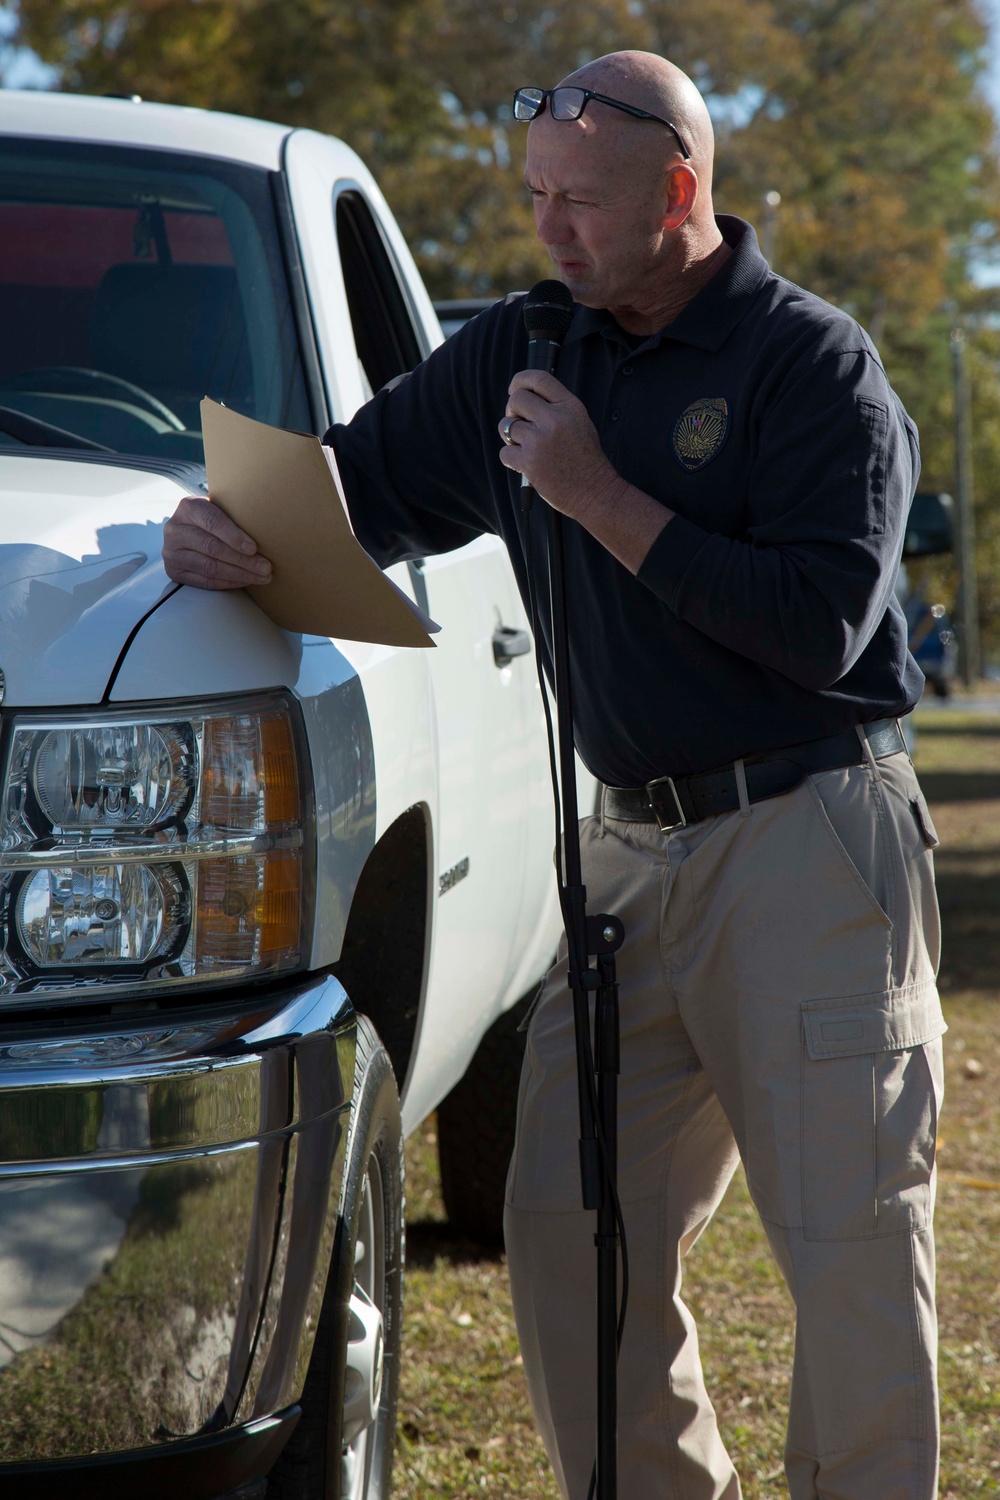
598, 936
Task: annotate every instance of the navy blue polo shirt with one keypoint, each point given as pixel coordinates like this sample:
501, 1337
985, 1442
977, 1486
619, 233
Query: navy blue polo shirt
764, 613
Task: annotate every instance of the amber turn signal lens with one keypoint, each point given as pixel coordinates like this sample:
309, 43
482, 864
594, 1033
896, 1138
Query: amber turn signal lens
226, 931
250, 778
248, 908
280, 773
280, 903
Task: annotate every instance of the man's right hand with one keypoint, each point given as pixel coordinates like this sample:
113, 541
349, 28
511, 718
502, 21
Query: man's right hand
203, 547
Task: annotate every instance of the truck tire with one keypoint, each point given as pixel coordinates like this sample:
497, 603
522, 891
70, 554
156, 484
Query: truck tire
342, 1448
475, 1126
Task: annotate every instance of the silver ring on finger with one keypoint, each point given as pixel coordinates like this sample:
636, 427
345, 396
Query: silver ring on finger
506, 429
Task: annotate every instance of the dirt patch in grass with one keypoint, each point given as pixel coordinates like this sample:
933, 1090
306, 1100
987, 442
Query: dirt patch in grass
465, 1428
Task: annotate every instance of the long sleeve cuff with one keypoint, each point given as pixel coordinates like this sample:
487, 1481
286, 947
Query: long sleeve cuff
669, 558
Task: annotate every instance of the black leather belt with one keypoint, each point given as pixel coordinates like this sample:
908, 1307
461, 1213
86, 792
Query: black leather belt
674, 801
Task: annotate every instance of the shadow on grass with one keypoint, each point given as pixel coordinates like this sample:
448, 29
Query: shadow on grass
959, 786
989, 730
967, 881
431, 1240
162, 1195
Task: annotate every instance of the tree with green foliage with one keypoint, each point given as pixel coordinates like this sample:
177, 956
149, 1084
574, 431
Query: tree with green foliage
865, 115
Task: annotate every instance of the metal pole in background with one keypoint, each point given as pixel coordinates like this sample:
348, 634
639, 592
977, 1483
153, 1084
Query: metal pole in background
969, 637
769, 225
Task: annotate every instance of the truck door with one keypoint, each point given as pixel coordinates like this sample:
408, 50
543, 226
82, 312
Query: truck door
482, 731
487, 733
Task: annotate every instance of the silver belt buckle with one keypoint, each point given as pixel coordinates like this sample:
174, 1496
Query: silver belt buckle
680, 821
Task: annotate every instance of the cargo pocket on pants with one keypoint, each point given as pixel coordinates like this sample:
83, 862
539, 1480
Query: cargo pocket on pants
870, 1094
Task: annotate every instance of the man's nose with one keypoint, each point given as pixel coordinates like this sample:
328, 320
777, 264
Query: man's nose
551, 224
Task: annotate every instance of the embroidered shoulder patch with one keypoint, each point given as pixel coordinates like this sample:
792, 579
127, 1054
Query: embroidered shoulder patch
700, 432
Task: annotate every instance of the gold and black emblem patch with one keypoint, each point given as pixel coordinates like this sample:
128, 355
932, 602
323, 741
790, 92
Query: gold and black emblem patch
700, 432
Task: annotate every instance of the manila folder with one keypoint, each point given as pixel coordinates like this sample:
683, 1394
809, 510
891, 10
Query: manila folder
282, 489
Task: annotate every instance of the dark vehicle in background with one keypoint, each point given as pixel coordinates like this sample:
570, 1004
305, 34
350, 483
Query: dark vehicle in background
932, 641
452, 314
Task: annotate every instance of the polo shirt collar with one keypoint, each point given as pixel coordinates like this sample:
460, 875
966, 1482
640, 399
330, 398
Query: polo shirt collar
710, 317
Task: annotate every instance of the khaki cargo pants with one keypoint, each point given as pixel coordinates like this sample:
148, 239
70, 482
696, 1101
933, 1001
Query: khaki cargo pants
777, 1002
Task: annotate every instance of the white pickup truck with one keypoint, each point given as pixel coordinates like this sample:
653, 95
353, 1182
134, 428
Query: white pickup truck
255, 887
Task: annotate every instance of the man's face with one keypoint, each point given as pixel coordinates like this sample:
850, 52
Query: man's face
599, 199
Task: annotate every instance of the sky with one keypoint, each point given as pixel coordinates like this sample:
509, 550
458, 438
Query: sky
992, 80
19, 68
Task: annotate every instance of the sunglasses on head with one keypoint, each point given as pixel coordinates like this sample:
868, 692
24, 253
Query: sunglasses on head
568, 103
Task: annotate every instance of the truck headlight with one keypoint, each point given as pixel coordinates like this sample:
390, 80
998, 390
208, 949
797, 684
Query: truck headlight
108, 914
112, 775
164, 848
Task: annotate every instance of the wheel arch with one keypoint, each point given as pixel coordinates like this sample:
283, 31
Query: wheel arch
385, 955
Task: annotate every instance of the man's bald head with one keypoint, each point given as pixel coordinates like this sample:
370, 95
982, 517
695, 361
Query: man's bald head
626, 220
650, 82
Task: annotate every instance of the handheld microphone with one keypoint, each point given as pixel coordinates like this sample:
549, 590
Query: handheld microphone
548, 312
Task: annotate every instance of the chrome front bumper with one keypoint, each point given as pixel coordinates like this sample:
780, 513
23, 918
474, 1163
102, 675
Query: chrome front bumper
168, 1205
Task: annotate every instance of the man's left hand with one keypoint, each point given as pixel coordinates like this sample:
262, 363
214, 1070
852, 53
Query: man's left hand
555, 444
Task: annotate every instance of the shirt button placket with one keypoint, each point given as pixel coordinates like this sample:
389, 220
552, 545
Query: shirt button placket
615, 414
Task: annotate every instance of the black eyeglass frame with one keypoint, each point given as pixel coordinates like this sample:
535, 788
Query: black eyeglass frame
538, 106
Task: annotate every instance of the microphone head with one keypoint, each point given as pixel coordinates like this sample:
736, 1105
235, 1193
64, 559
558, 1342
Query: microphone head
548, 311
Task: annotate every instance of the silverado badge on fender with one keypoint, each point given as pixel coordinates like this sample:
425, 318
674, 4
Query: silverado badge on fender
700, 432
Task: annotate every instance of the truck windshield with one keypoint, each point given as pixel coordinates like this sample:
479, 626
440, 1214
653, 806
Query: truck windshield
132, 284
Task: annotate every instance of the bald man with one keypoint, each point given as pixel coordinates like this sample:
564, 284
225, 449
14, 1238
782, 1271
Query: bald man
737, 473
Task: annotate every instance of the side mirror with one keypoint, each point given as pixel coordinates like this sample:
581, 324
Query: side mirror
929, 528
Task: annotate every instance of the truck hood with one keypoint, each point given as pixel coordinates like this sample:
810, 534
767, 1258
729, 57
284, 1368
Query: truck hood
80, 566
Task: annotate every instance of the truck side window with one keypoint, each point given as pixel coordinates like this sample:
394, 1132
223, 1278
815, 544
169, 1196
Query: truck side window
383, 331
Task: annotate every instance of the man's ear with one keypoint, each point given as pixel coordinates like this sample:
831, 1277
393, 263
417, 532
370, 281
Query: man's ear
681, 194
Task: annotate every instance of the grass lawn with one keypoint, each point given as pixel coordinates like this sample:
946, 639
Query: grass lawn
464, 1424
